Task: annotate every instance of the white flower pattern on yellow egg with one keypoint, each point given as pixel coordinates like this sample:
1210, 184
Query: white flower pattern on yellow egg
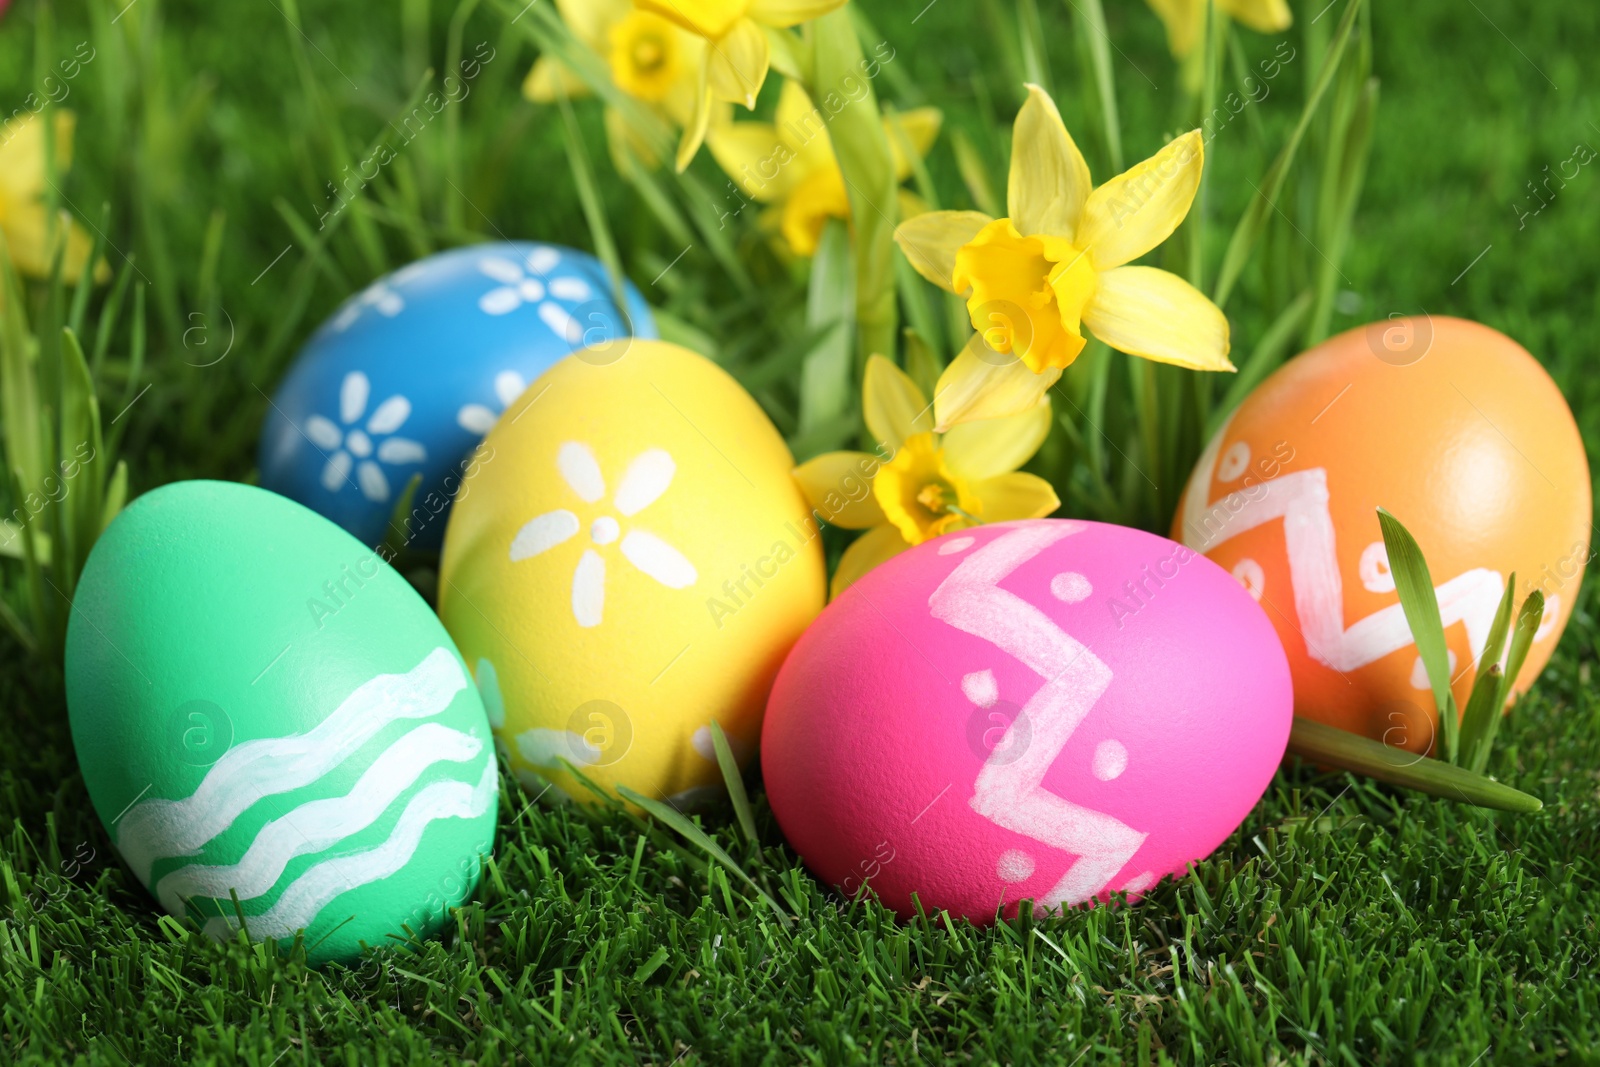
526, 283
352, 446
645, 480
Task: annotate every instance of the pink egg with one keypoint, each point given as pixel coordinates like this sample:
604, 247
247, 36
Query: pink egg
1048, 710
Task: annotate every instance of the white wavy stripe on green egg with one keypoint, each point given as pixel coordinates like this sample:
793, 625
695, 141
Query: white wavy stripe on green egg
327, 770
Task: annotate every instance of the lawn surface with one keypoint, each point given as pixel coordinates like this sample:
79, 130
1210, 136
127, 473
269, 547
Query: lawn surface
1343, 923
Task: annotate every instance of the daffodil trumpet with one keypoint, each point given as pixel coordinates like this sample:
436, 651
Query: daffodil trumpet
649, 59
921, 483
1059, 262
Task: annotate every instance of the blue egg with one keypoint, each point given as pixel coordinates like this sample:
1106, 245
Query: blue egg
409, 374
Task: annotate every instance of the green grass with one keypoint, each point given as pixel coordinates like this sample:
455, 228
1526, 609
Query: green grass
1344, 923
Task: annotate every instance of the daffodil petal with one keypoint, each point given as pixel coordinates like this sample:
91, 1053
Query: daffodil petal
1015, 496
752, 155
1156, 315
894, 407
1184, 20
915, 130
1049, 181
1263, 16
708, 18
785, 13
738, 63
590, 19
803, 129
983, 384
838, 486
22, 155
911, 205
1139, 208
931, 242
34, 240
549, 78
694, 134
989, 447
867, 551
629, 148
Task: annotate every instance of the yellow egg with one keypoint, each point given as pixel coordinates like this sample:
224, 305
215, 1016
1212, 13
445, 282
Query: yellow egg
628, 560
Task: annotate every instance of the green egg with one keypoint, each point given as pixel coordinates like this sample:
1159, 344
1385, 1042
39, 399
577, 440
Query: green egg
273, 726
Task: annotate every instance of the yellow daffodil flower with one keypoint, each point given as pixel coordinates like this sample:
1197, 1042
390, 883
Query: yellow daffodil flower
32, 233
650, 59
922, 484
1185, 20
738, 54
1057, 264
789, 163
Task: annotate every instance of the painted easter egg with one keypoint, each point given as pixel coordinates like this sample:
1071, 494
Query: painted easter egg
1457, 431
410, 374
272, 725
629, 562
1046, 710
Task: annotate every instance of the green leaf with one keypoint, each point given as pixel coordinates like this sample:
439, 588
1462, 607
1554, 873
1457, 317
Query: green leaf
1482, 709
734, 779
1265, 202
116, 495
1095, 42
397, 536
1334, 747
594, 211
1030, 36
827, 377
1481, 720
975, 175
1265, 357
83, 501
922, 364
1421, 606
862, 150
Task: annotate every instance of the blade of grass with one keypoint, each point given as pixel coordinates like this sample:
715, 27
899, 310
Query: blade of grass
734, 779
698, 837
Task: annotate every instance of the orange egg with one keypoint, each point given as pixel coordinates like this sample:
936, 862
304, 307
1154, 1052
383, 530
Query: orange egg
1457, 431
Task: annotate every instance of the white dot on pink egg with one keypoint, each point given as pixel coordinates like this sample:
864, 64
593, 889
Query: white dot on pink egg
1070, 587
1014, 865
960, 544
981, 688
1110, 760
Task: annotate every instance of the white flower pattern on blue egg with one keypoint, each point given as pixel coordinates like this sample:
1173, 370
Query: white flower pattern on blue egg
478, 419
379, 296
352, 446
527, 283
